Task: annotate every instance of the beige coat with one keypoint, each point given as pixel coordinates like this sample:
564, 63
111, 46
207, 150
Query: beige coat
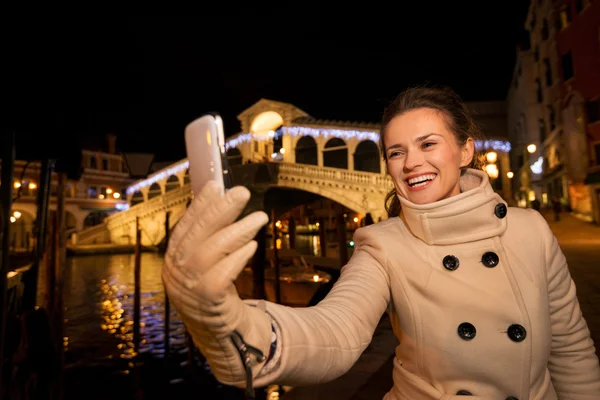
480, 298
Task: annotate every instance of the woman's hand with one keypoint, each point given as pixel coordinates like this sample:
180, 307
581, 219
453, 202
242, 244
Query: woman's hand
206, 253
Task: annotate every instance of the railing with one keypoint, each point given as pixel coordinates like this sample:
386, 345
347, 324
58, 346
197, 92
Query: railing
285, 170
94, 234
151, 206
336, 174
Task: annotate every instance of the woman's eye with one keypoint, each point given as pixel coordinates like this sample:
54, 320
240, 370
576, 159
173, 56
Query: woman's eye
428, 144
395, 154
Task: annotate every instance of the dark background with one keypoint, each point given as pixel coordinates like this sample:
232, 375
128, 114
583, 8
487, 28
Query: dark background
73, 79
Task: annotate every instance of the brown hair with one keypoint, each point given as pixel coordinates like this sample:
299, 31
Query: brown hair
457, 116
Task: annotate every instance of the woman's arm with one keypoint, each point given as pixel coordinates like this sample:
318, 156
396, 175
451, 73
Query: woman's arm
320, 343
573, 363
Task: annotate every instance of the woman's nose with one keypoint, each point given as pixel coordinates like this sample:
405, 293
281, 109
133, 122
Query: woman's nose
413, 159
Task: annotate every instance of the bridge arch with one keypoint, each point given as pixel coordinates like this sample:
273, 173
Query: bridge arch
154, 191
366, 157
306, 151
172, 183
234, 156
137, 198
335, 153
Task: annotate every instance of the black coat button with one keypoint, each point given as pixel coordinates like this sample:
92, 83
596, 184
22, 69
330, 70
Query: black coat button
516, 333
511, 398
464, 393
466, 331
490, 259
450, 263
500, 210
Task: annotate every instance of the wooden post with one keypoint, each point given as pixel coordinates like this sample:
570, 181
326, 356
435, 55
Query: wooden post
323, 236
341, 236
276, 284
60, 240
8, 159
136, 294
167, 303
292, 231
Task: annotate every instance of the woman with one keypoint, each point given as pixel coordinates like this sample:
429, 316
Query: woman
479, 294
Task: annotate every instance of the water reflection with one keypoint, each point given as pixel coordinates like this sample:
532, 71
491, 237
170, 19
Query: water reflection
99, 299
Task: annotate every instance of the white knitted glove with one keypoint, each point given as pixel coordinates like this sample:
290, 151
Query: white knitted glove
206, 253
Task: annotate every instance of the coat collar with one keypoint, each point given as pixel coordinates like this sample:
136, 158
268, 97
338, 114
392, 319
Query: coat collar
466, 217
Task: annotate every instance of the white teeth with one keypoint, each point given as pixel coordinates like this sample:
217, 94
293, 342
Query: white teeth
421, 179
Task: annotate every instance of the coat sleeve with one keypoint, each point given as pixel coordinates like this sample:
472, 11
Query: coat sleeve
573, 363
320, 343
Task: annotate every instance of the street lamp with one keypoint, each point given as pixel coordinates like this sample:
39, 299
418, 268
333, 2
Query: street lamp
492, 170
510, 174
531, 148
491, 157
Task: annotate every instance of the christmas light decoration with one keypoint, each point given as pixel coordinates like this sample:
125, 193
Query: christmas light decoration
345, 134
159, 176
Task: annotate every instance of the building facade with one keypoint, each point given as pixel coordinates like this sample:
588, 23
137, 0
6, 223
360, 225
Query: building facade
577, 25
100, 191
523, 128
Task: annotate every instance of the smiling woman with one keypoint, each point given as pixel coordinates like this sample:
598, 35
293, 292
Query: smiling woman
427, 140
478, 293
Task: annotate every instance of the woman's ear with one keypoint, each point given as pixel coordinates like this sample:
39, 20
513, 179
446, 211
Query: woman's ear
467, 152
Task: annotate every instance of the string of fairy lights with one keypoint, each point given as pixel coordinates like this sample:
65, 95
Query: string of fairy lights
295, 131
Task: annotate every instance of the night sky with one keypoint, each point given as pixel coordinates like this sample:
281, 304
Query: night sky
74, 79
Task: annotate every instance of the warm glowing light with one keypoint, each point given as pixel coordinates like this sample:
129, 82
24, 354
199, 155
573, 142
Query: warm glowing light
492, 170
278, 224
278, 244
510, 174
531, 148
109, 190
531, 195
17, 185
10, 274
491, 157
355, 219
12, 219
536, 167
282, 150
101, 196
265, 122
17, 214
317, 224
316, 278
116, 195
32, 185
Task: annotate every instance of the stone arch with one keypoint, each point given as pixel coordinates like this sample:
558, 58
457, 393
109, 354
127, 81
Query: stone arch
234, 156
337, 196
265, 122
366, 157
21, 229
70, 221
154, 191
137, 198
306, 151
172, 183
94, 218
335, 153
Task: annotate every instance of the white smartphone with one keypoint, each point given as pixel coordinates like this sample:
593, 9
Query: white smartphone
205, 147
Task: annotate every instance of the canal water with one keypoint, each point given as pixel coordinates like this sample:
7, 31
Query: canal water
99, 351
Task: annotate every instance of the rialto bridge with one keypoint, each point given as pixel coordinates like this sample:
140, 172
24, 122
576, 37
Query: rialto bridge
285, 157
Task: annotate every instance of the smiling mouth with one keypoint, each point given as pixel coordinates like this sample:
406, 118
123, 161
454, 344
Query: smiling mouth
420, 181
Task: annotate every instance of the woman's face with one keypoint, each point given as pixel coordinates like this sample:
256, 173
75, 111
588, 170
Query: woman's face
423, 156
